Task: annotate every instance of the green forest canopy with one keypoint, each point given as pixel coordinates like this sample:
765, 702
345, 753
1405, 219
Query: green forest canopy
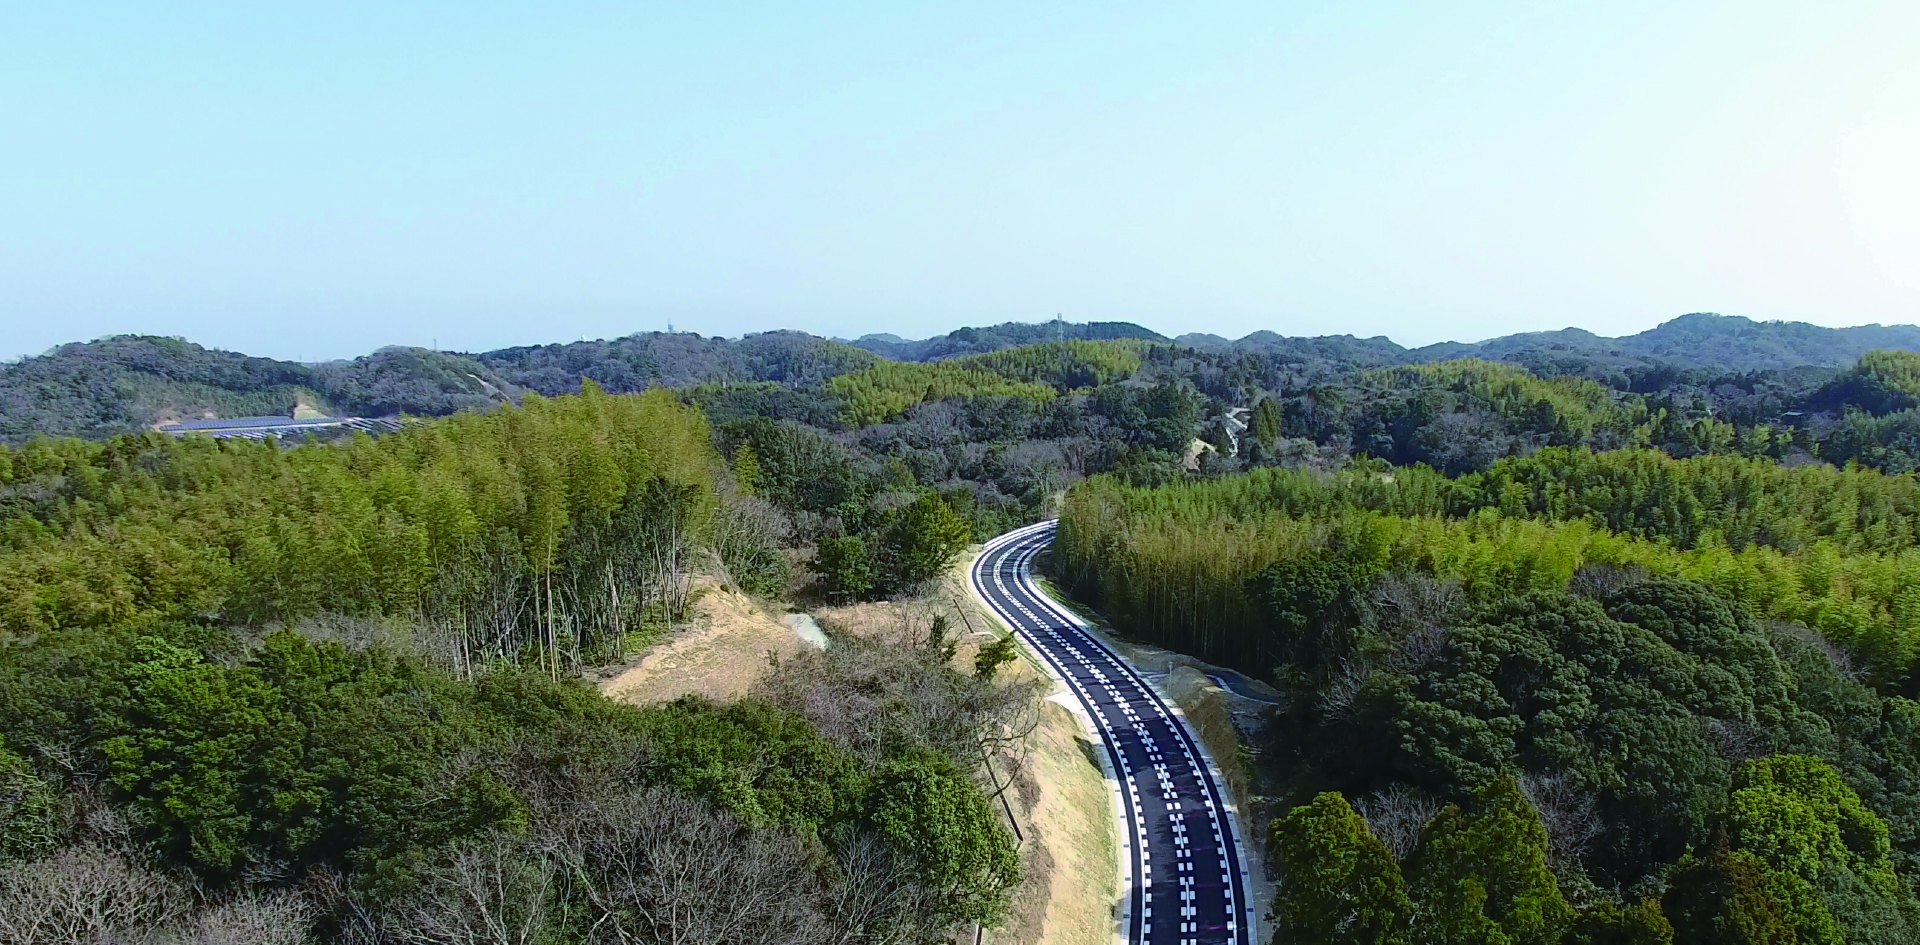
1547, 685
330, 688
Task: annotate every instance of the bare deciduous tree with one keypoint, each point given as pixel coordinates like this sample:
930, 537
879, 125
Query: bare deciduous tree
355, 921
868, 689
873, 902
1568, 813
253, 918
746, 527
1801, 636
1344, 680
86, 894
1412, 609
493, 891
1599, 580
1737, 740
664, 867
1396, 817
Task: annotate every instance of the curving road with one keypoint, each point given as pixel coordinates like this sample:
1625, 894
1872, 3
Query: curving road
1183, 876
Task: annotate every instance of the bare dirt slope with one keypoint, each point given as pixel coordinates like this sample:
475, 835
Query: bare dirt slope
720, 654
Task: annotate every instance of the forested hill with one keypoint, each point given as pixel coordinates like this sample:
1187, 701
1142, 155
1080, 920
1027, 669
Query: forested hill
127, 383
1723, 342
677, 359
1633, 643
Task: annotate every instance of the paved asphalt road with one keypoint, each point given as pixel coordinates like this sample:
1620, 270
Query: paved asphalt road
1184, 877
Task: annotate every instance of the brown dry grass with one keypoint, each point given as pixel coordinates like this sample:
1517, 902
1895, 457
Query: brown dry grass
1072, 883
1072, 886
720, 654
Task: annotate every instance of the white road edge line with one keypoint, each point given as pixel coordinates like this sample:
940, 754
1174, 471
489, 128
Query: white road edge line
1249, 907
1250, 928
1123, 849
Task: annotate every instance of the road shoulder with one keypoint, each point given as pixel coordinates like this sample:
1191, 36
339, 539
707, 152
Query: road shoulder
1220, 719
1073, 881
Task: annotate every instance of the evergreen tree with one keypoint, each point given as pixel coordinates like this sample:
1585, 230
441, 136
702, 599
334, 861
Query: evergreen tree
846, 567
987, 662
923, 540
1731, 898
1607, 923
1264, 422
1480, 874
746, 468
1794, 814
1340, 886
949, 832
203, 752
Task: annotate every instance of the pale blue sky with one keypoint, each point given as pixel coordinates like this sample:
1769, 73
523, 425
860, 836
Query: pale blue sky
314, 180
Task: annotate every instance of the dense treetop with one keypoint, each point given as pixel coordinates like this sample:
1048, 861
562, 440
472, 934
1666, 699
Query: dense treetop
1007, 335
661, 359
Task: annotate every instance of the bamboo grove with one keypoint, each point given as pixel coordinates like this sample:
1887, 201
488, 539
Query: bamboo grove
1831, 548
549, 531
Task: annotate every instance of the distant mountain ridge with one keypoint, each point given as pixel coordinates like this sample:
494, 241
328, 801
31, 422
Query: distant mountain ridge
1700, 340
125, 383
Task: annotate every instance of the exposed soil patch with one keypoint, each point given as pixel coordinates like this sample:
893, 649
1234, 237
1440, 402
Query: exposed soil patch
720, 654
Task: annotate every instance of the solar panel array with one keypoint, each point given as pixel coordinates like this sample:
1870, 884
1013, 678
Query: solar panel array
239, 422
260, 428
